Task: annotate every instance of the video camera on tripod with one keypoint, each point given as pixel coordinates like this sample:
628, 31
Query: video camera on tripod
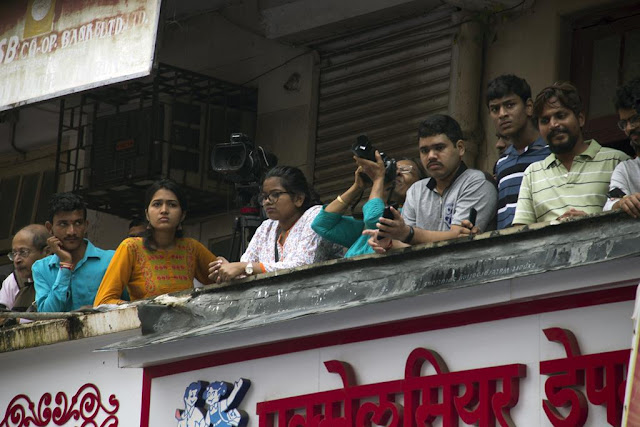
244, 164
241, 161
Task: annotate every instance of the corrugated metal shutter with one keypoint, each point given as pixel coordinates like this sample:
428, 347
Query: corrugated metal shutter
381, 82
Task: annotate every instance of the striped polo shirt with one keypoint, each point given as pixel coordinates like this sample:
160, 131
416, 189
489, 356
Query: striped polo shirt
509, 170
548, 189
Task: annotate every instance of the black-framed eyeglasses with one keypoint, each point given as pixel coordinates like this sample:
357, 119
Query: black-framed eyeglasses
271, 197
22, 252
633, 120
405, 170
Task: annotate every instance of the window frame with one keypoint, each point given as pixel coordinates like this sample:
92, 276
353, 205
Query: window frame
585, 31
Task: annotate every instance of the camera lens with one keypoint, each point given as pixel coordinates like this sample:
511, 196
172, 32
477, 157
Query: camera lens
235, 161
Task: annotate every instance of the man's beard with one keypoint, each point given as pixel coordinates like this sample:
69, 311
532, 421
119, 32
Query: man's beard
563, 147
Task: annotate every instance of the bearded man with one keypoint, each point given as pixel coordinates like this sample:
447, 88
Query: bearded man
574, 179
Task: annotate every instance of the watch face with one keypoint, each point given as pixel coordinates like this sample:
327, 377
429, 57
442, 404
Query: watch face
249, 269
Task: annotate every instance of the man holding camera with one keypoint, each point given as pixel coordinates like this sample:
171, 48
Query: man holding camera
439, 208
624, 190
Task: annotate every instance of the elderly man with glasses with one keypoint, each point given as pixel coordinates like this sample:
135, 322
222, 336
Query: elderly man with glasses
624, 190
28, 245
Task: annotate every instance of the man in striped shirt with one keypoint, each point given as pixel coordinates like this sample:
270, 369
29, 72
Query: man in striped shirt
511, 109
574, 179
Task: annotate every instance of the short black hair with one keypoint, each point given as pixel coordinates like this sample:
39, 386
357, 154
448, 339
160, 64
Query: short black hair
628, 95
438, 124
135, 222
508, 84
66, 202
564, 92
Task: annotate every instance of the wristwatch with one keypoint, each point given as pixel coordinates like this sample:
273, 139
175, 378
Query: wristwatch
249, 269
409, 238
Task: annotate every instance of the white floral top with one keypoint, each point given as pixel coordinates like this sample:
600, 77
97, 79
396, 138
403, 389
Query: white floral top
302, 246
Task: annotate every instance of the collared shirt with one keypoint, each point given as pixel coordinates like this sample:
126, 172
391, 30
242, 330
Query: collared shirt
548, 189
509, 172
625, 177
61, 289
425, 208
9, 290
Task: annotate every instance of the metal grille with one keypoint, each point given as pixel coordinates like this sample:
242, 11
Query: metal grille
124, 136
381, 82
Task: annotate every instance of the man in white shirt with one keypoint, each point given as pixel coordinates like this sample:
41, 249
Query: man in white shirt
28, 245
624, 190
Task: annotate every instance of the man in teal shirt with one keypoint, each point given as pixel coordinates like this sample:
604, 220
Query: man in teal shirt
70, 278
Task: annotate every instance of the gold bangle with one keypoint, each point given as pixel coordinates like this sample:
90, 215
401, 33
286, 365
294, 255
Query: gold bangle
342, 201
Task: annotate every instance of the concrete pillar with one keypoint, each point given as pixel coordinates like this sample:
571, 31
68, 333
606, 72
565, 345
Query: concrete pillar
466, 85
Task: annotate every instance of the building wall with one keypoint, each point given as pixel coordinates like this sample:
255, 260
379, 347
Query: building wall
228, 44
229, 47
66, 370
535, 46
232, 51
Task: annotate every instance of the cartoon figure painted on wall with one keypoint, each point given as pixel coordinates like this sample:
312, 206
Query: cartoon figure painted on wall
214, 404
222, 405
192, 415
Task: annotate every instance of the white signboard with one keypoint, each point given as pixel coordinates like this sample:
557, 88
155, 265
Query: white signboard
70, 385
50, 48
562, 367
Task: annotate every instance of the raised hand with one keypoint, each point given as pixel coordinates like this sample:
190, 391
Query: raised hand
55, 247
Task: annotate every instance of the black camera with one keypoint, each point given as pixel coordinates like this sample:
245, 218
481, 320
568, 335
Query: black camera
365, 150
241, 161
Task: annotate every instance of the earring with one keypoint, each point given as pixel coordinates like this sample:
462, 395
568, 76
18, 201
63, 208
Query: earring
180, 227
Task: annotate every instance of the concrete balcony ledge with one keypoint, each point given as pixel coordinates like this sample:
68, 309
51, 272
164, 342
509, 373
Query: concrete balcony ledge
72, 327
338, 285
400, 275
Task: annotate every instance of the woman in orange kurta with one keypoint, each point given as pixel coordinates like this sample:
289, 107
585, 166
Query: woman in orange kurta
162, 261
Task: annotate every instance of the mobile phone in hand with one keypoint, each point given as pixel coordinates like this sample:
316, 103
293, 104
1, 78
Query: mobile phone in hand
472, 216
388, 214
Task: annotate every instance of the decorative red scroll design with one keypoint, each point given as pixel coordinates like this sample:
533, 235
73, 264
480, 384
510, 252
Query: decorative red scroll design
479, 396
601, 374
85, 405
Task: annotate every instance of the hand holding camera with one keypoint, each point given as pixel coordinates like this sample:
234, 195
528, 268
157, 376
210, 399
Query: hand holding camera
363, 149
374, 170
358, 182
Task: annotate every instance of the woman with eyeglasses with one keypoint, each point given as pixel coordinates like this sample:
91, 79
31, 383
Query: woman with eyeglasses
286, 239
160, 261
347, 230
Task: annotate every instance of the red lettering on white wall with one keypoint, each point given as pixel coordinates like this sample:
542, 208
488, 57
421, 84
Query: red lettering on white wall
86, 405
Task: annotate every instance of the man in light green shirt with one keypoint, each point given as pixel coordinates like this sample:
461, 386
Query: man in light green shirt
574, 179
